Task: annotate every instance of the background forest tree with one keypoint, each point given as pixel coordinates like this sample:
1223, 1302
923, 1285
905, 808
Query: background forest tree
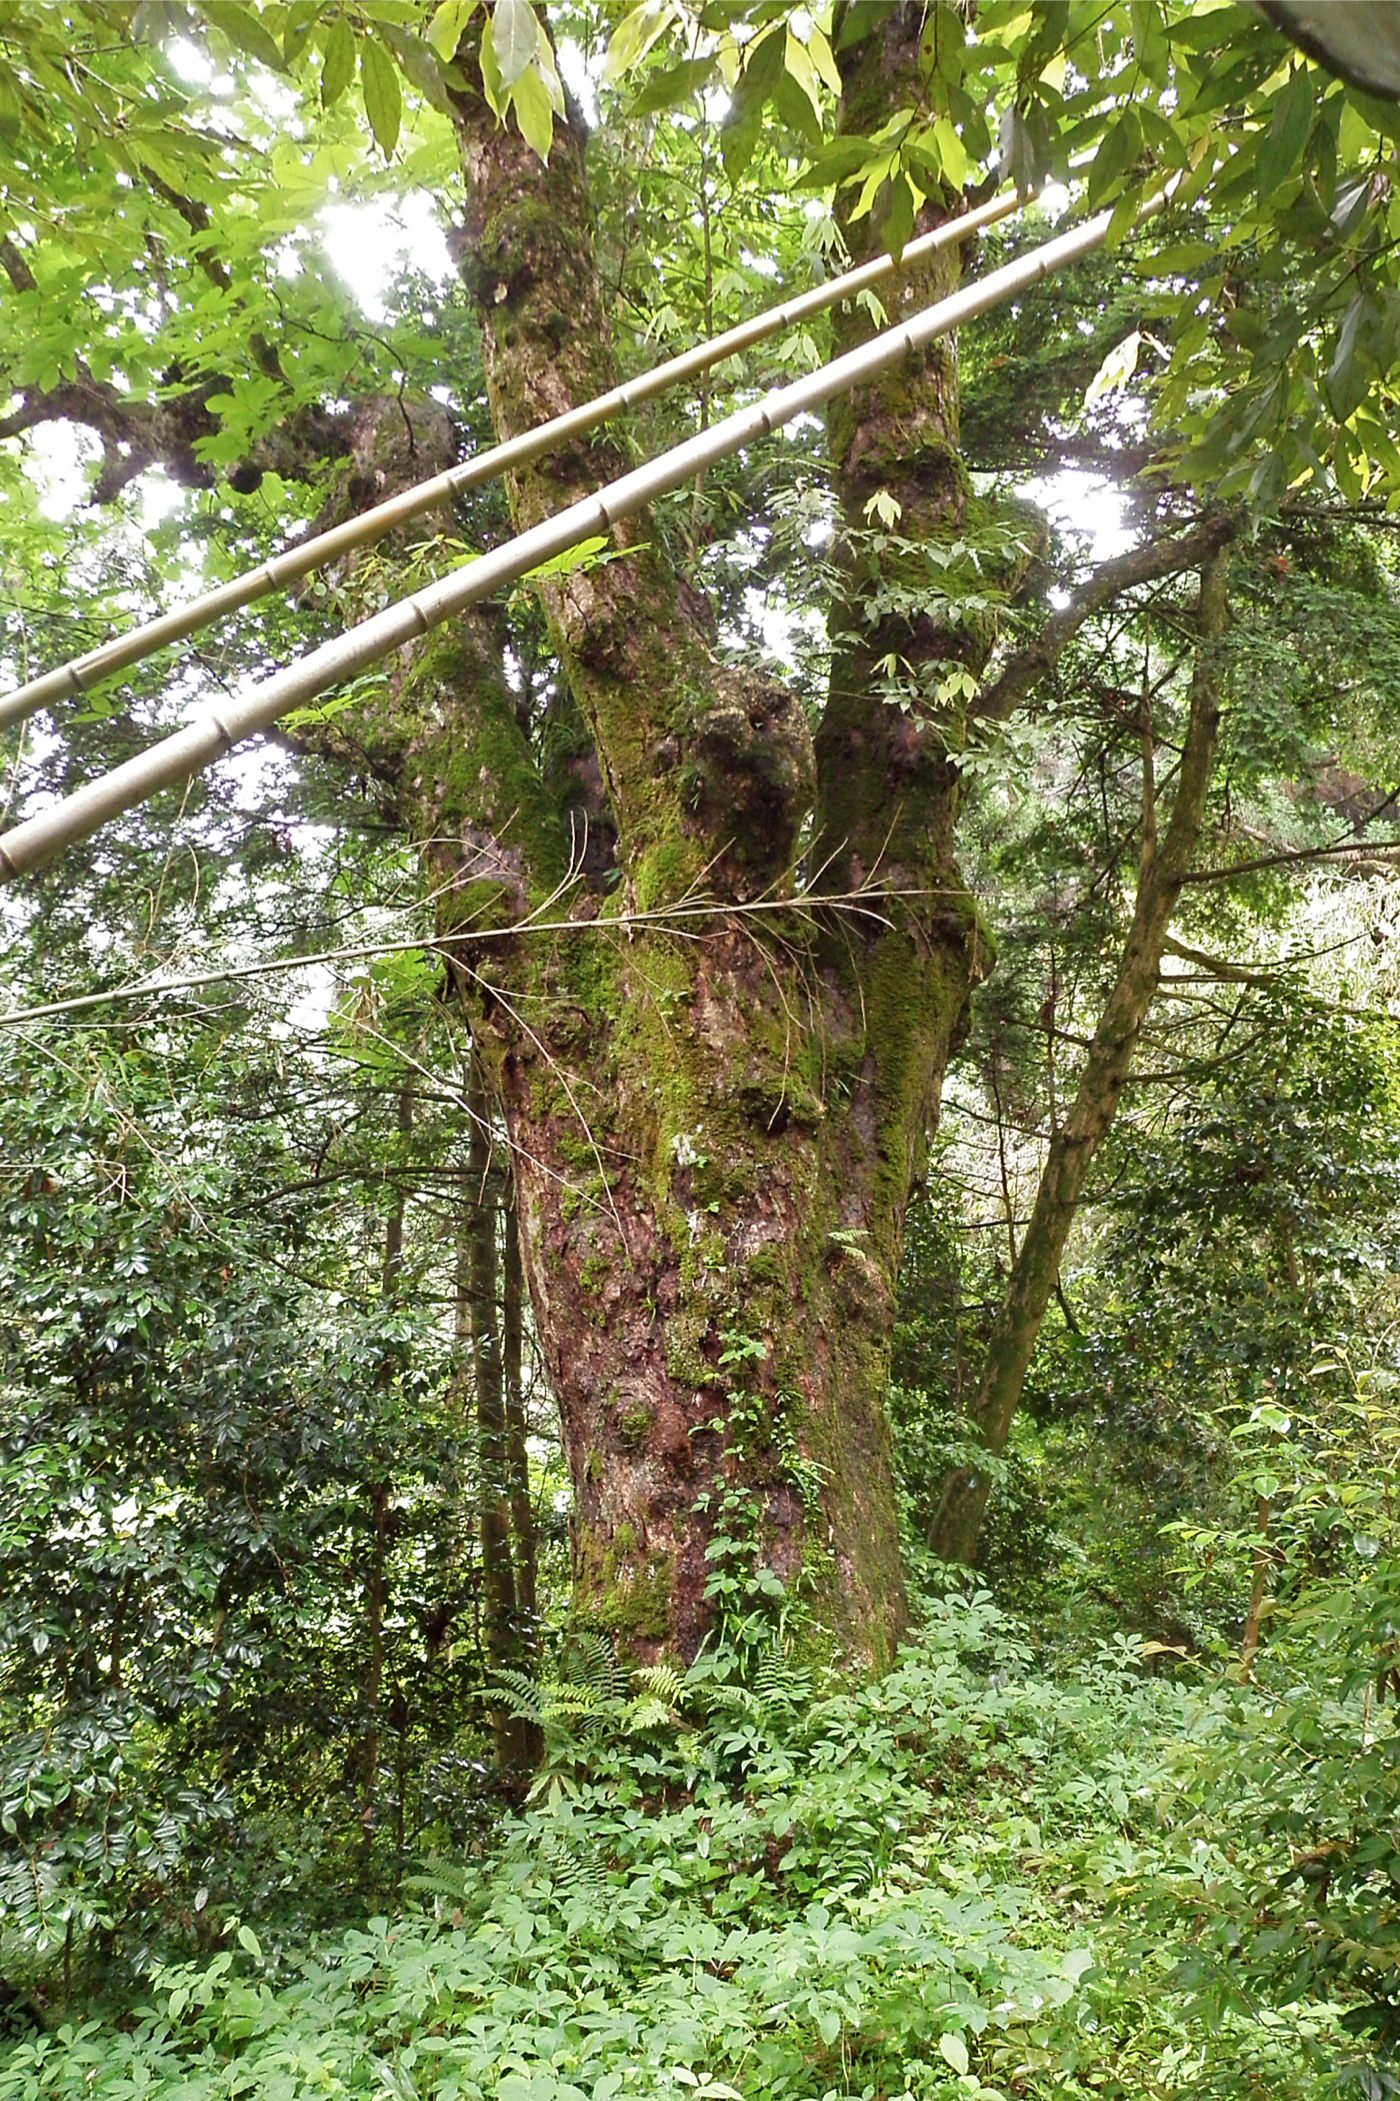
1010, 1115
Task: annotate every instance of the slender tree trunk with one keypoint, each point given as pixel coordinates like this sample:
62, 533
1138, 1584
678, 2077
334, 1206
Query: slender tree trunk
376, 1589
500, 1605
517, 1464
1259, 1593
1162, 868
376, 1582
522, 1516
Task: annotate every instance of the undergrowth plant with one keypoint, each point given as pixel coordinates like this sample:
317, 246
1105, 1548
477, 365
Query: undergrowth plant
966, 1878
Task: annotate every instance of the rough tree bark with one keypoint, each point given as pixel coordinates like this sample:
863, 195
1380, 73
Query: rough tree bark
714, 1138
1162, 869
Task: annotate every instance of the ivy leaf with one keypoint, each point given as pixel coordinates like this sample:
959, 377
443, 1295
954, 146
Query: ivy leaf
337, 61
516, 35
383, 101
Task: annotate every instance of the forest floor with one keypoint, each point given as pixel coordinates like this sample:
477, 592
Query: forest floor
981, 1876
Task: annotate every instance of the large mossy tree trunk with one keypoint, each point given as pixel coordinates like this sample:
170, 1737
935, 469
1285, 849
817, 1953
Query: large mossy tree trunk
715, 1130
715, 1125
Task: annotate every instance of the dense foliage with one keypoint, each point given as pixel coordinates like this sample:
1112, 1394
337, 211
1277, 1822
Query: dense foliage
352, 1741
974, 1877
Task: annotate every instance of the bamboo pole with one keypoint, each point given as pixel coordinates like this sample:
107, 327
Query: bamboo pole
81, 674
252, 708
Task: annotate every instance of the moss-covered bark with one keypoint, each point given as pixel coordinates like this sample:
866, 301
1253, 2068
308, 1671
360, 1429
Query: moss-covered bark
714, 1138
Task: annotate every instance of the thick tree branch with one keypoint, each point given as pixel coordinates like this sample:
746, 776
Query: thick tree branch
13, 263
705, 769
136, 435
200, 223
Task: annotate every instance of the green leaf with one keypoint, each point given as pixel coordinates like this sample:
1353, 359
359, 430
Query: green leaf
1115, 156
1351, 206
797, 60
379, 82
419, 65
953, 2050
834, 163
10, 110
676, 85
634, 37
1123, 217
1116, 370
533, 113
492, 86
245, 32
517, 34
898, 222
301, 20
572, 558
1287, 134
763, 69
795, 111
823, 59
1024, 148
951, 152
337, 61
445, 29
1346, 381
